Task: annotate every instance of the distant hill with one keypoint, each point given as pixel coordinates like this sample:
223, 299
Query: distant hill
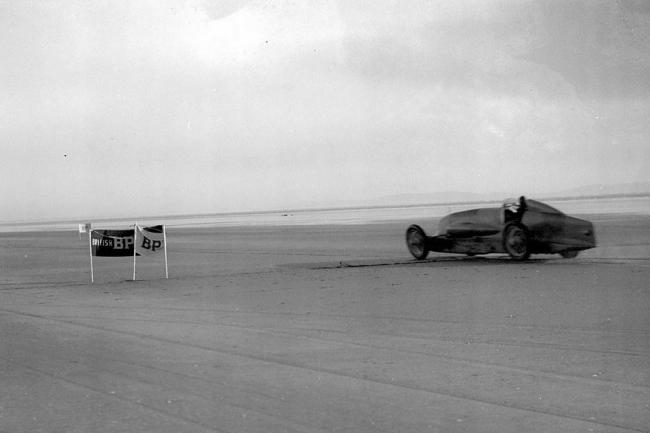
451, 197
468, 197
600, 189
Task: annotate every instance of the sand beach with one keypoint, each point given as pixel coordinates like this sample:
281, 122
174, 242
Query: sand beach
324, 328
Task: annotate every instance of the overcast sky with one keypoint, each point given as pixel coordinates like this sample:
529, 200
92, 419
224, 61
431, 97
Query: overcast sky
128, 108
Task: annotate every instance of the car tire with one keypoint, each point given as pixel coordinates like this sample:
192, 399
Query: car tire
515, 241
569, 254
416, 242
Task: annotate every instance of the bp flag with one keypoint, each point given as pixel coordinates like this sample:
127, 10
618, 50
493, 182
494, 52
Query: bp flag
149, 240
127, 243
120, 243
111, 243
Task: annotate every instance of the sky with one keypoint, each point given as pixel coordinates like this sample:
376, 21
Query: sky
159, 107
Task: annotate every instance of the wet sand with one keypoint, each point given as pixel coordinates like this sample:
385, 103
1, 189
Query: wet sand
322, 329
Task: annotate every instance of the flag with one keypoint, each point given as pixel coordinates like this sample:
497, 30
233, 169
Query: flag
150, 240
84, 228
112, 243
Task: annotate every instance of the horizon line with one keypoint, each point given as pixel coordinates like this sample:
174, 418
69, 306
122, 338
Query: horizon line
307, 209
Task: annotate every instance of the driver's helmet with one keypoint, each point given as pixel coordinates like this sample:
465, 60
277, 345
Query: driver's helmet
511, 204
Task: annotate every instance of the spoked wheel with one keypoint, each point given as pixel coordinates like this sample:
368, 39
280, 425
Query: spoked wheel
515, 241
569, 254
416, 241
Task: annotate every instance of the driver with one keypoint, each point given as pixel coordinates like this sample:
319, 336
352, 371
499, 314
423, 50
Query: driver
513, 208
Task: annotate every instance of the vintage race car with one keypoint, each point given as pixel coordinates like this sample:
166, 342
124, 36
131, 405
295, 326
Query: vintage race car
519, 228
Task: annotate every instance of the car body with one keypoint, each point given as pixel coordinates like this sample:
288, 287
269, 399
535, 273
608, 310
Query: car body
519, 228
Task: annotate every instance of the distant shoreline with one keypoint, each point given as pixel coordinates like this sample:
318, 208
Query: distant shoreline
286, 212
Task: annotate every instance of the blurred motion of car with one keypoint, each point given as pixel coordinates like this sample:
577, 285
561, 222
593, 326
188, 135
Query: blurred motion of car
519, 228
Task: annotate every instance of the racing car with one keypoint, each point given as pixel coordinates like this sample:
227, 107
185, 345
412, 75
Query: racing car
520, 227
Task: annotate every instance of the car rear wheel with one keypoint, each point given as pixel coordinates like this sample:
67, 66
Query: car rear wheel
569, 254
515, 241
416, 241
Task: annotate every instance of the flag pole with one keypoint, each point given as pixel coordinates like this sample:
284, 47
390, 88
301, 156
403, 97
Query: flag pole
165, 241
90, 250
135, 237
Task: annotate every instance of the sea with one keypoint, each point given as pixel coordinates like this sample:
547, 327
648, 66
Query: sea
637, 205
